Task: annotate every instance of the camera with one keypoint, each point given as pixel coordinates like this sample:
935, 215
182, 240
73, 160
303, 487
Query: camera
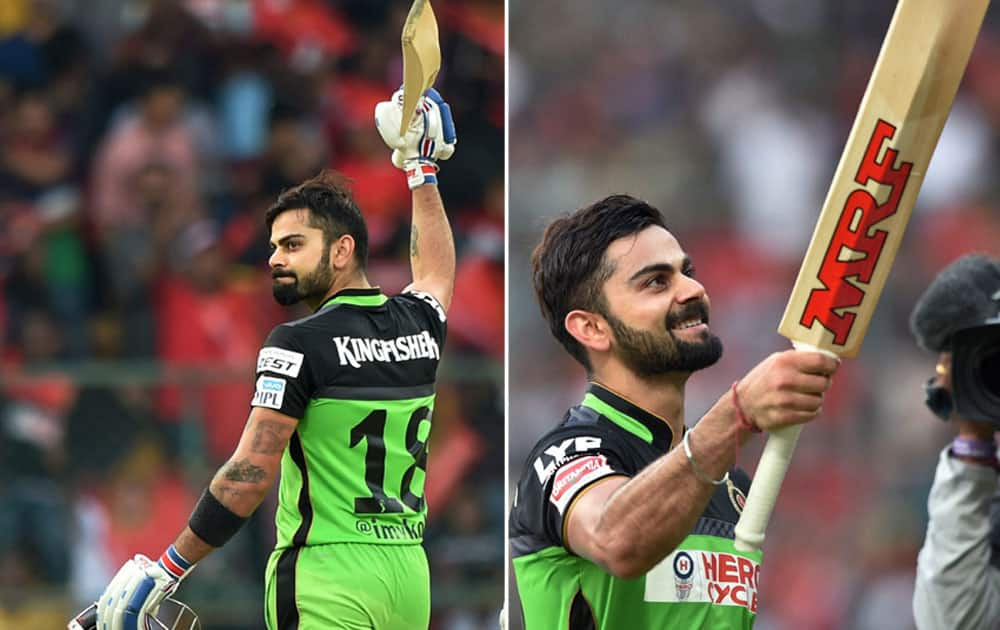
960, 312
975, 371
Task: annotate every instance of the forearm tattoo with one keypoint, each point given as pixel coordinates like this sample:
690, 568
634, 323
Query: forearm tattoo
414, 237
244, 471
269, 437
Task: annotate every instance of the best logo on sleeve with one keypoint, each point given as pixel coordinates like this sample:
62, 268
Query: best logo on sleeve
270, 392
279, 361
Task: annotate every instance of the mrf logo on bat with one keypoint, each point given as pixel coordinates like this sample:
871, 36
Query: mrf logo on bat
856, 243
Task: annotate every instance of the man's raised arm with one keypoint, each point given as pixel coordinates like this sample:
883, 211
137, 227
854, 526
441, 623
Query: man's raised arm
430, 137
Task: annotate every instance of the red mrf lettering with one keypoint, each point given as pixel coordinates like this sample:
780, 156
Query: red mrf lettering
856, 233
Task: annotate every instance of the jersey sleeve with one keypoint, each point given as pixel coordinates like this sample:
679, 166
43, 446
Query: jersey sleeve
564, 466
428, 310
283, 374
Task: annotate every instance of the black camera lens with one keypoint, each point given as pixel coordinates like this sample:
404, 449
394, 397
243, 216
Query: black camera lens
976, 373
989, 371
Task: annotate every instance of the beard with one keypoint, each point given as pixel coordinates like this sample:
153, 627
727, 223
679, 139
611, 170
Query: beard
312, 285
652, 353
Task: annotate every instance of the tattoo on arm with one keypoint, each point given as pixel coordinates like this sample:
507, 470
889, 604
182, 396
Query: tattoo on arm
414, 236
244, 471
225, 492
270, 437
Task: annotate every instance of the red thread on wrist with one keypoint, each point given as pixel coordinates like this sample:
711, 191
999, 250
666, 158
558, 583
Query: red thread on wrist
745, 422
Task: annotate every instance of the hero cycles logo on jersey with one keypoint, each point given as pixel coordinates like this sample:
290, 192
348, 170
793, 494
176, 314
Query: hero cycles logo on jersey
557, 454
698, 576
860, 214
354, 351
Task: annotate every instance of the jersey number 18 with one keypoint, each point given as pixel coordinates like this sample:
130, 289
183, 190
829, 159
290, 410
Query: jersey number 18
372, 431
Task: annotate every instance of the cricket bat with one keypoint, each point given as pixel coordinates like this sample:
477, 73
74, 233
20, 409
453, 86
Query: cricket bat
421, 57
868, 205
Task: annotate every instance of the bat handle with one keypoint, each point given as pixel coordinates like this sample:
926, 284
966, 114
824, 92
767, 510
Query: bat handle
768, 478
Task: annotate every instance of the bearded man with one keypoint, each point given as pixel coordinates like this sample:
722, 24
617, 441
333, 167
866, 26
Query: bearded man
623, 517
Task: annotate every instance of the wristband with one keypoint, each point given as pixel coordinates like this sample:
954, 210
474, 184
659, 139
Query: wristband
745, 422
213, 522
174, 563
419, 173
694, 466
984, 451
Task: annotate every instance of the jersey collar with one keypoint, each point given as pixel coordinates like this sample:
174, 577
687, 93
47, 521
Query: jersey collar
356, 297
629, 416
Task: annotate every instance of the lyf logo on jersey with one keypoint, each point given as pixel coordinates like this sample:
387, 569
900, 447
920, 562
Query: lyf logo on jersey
279, 360
354, 351
270, 392
694, 575
557, 454
576, 475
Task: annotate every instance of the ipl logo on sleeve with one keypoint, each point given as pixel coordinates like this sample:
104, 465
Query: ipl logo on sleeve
683, 574
270, 392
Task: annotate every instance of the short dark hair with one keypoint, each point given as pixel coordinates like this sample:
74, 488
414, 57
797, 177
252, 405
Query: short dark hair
569, 268
331, 209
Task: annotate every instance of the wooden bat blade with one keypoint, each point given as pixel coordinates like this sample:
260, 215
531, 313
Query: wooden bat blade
421, 57
876, 183
868, 205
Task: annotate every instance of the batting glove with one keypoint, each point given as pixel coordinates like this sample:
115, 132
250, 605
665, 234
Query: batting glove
135, 593
429, 138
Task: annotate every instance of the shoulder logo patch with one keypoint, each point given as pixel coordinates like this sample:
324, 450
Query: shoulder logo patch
554, 456
576, 475
280, 361
270, 392
430, 299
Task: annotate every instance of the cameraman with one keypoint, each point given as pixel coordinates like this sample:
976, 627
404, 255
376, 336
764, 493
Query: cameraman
958, 568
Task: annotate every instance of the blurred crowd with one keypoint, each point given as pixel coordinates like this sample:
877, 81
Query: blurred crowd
140, 143
730, 117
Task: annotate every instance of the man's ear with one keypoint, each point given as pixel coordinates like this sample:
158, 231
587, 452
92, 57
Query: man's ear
590, 329
342, 251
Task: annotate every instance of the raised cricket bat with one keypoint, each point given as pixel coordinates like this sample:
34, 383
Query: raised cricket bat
868, 205
421, 57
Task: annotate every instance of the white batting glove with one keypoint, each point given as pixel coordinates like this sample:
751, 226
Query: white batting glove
135, 593
430, 136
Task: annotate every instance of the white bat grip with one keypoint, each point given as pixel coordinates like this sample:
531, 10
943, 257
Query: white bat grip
768, 478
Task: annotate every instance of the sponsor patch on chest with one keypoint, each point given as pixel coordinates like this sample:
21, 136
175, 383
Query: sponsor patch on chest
270, 392
699, 576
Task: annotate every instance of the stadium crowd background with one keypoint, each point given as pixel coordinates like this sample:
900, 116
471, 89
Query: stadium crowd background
140, 143
730, 117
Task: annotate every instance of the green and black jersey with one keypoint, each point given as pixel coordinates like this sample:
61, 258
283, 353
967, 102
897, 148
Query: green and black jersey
704, 583
359, 375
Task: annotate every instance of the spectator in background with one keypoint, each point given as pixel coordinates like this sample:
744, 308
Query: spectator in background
136, 251
156, 131
33, 154
33, 508
208, 318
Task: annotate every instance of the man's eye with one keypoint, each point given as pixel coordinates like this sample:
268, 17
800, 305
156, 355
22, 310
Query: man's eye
657, 281
689, 271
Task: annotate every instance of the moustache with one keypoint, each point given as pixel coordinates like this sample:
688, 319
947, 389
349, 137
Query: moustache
279, 274
694, 310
